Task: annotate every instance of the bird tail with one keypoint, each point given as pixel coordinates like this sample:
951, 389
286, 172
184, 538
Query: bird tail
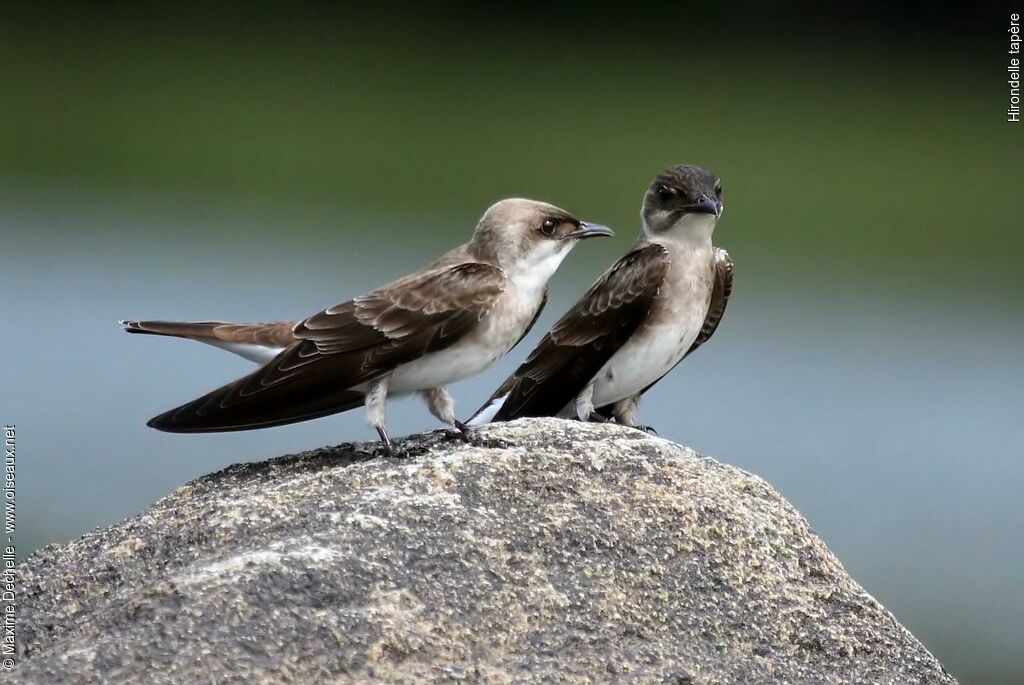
258, 342
275, 333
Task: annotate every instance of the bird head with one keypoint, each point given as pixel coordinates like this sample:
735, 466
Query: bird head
683, 202
529, 238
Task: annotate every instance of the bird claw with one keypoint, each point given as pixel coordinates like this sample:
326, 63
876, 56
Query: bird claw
391, 451
599, 418
452, 435
461, 432
384, 449
467, 433
385, 441
388, 449
472, 437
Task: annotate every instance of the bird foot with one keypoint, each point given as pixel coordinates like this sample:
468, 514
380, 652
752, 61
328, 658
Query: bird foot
461, 432
391, 450
471, 436
387, 448
385, 442
452, 435
600, 418
647, 429
467, 433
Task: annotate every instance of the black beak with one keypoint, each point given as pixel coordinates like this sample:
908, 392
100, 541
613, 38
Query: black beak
706, 205
588, 229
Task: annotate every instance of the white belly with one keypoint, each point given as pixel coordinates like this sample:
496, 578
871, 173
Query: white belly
441, 368
676, 321
476, 352
643, 360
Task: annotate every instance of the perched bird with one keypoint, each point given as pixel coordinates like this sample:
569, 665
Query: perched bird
654, 306
448, 321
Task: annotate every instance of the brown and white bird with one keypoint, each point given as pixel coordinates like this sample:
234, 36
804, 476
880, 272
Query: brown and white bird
653, 307
448, 321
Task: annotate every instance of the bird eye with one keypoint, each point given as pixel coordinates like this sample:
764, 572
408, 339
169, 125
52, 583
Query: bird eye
666, 193
718, 189
548, 227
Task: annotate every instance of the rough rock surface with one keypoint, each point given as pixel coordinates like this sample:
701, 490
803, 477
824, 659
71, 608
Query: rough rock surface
576, 553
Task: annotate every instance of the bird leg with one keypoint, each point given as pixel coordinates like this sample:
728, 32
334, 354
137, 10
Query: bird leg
585, 404
624, 412
440, 403
385, 440
376, 399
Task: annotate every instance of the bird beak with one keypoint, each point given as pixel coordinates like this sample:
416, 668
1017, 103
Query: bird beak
706, 205
588, 229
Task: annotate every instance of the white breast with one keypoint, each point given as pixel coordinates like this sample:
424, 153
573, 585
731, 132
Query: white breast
670, 331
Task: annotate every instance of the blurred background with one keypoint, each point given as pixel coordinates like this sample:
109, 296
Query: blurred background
250, 164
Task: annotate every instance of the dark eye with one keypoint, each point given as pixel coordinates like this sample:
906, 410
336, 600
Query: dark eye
666, 193
548, 227
718, 189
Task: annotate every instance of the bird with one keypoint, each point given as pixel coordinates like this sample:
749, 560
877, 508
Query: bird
447, 321
657, 304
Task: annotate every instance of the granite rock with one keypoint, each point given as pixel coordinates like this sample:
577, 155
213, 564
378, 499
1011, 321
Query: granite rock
552, 551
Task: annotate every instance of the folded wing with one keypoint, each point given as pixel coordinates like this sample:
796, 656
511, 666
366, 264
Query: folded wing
346, 346
576, 348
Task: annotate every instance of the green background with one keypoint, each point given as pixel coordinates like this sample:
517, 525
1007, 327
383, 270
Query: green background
246, 162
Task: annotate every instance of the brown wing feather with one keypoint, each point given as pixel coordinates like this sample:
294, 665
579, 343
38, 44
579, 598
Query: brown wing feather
576, 348
344, 346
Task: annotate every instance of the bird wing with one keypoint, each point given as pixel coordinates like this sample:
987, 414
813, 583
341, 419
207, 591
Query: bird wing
721, 289
344, 346
720, 292
575, 349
